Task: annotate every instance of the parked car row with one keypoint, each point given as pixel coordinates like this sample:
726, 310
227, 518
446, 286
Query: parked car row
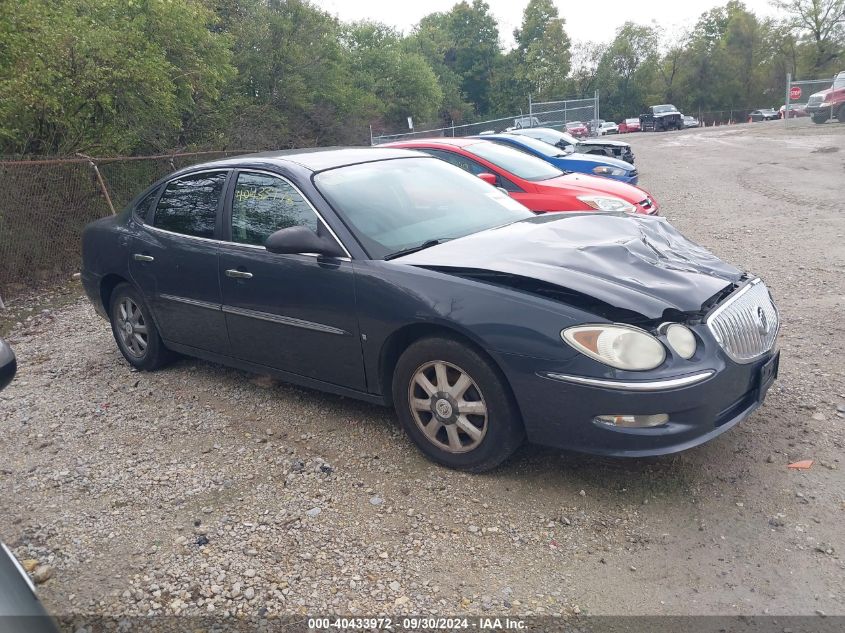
532, 178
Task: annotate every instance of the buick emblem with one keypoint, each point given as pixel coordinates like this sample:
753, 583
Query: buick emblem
762, 321
443, 408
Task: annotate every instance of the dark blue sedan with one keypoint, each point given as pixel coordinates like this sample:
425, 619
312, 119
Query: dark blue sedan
569, 160
397, 278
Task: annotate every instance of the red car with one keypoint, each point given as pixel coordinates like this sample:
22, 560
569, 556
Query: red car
629, 125
538, 185
577, 129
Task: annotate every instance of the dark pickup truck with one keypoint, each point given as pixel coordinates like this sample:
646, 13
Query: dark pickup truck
662, 118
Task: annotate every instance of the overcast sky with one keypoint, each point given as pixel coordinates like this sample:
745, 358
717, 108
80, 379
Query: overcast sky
585, 20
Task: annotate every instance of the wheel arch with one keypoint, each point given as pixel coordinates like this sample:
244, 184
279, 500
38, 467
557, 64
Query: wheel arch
398, 341
107, 286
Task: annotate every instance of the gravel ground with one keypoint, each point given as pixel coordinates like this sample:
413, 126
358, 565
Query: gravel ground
199, 489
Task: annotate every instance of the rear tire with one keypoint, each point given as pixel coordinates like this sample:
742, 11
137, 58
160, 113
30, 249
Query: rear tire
134, 329
840, 116
455, 405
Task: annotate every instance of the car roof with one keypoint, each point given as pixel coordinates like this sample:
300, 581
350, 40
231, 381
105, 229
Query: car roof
313, 158
449, 141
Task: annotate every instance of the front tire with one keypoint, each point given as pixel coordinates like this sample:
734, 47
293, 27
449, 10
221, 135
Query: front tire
819, 118
134, 330
455, 405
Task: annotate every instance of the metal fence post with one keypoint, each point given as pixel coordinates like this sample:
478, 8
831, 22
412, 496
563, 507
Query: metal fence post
100, 181
596, 108
530, 107
786, 102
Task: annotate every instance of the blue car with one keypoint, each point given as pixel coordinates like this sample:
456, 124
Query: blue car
567, 160
396, 278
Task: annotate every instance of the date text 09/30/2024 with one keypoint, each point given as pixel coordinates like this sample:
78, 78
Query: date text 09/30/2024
413, 623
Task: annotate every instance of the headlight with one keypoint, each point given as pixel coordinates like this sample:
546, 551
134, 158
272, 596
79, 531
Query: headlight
606, 203
825, 104
604, 170
681, 339
620, 346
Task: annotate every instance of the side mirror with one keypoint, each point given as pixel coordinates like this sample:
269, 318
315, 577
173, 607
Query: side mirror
8, 364
569, 149
301, 239
490, 179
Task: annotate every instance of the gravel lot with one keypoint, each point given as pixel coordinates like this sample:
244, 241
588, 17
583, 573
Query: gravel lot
202, 489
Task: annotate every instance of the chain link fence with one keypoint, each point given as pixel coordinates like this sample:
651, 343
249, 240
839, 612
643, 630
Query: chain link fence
802, 99
556, 114
540, 114
45, 204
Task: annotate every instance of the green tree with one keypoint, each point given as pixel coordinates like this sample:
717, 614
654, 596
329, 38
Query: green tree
544, 50
627, 70
465, 42
107, 76
400, 81
822, 22
294, 85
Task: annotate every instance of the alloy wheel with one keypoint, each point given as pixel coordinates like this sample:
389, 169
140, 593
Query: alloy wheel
132, 328
448, 406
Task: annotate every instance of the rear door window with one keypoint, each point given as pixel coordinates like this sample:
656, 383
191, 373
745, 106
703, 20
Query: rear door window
189, 205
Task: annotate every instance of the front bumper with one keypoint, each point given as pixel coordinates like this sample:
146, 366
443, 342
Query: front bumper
561, 413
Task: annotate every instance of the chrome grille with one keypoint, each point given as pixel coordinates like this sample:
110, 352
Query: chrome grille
746, 325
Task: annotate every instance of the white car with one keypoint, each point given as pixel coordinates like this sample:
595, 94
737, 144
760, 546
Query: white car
608, 127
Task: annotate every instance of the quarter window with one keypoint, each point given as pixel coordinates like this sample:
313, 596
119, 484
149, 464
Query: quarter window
144, 208
264, 204
189, 204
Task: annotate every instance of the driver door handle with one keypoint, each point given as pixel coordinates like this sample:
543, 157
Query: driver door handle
138, 257
238, 274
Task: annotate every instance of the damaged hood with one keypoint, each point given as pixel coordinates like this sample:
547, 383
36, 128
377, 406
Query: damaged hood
604, 143
632, 262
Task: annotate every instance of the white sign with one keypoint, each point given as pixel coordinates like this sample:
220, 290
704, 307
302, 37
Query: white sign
410, 123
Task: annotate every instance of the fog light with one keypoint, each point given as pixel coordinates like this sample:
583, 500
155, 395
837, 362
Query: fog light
633, 421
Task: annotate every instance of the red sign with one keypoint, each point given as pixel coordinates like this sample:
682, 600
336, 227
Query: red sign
795, 93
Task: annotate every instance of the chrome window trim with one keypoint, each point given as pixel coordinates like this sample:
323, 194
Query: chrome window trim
625, 385
283, 320
226, 243
242, 170
174, 233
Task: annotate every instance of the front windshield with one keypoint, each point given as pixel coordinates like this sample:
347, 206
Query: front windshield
662, 109
514, 161
631, 121
839, 81
572, 124
396, 204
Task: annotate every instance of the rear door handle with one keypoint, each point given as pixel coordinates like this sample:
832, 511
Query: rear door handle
138, 257
238, 274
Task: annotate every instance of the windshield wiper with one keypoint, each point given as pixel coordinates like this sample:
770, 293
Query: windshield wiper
419, 247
